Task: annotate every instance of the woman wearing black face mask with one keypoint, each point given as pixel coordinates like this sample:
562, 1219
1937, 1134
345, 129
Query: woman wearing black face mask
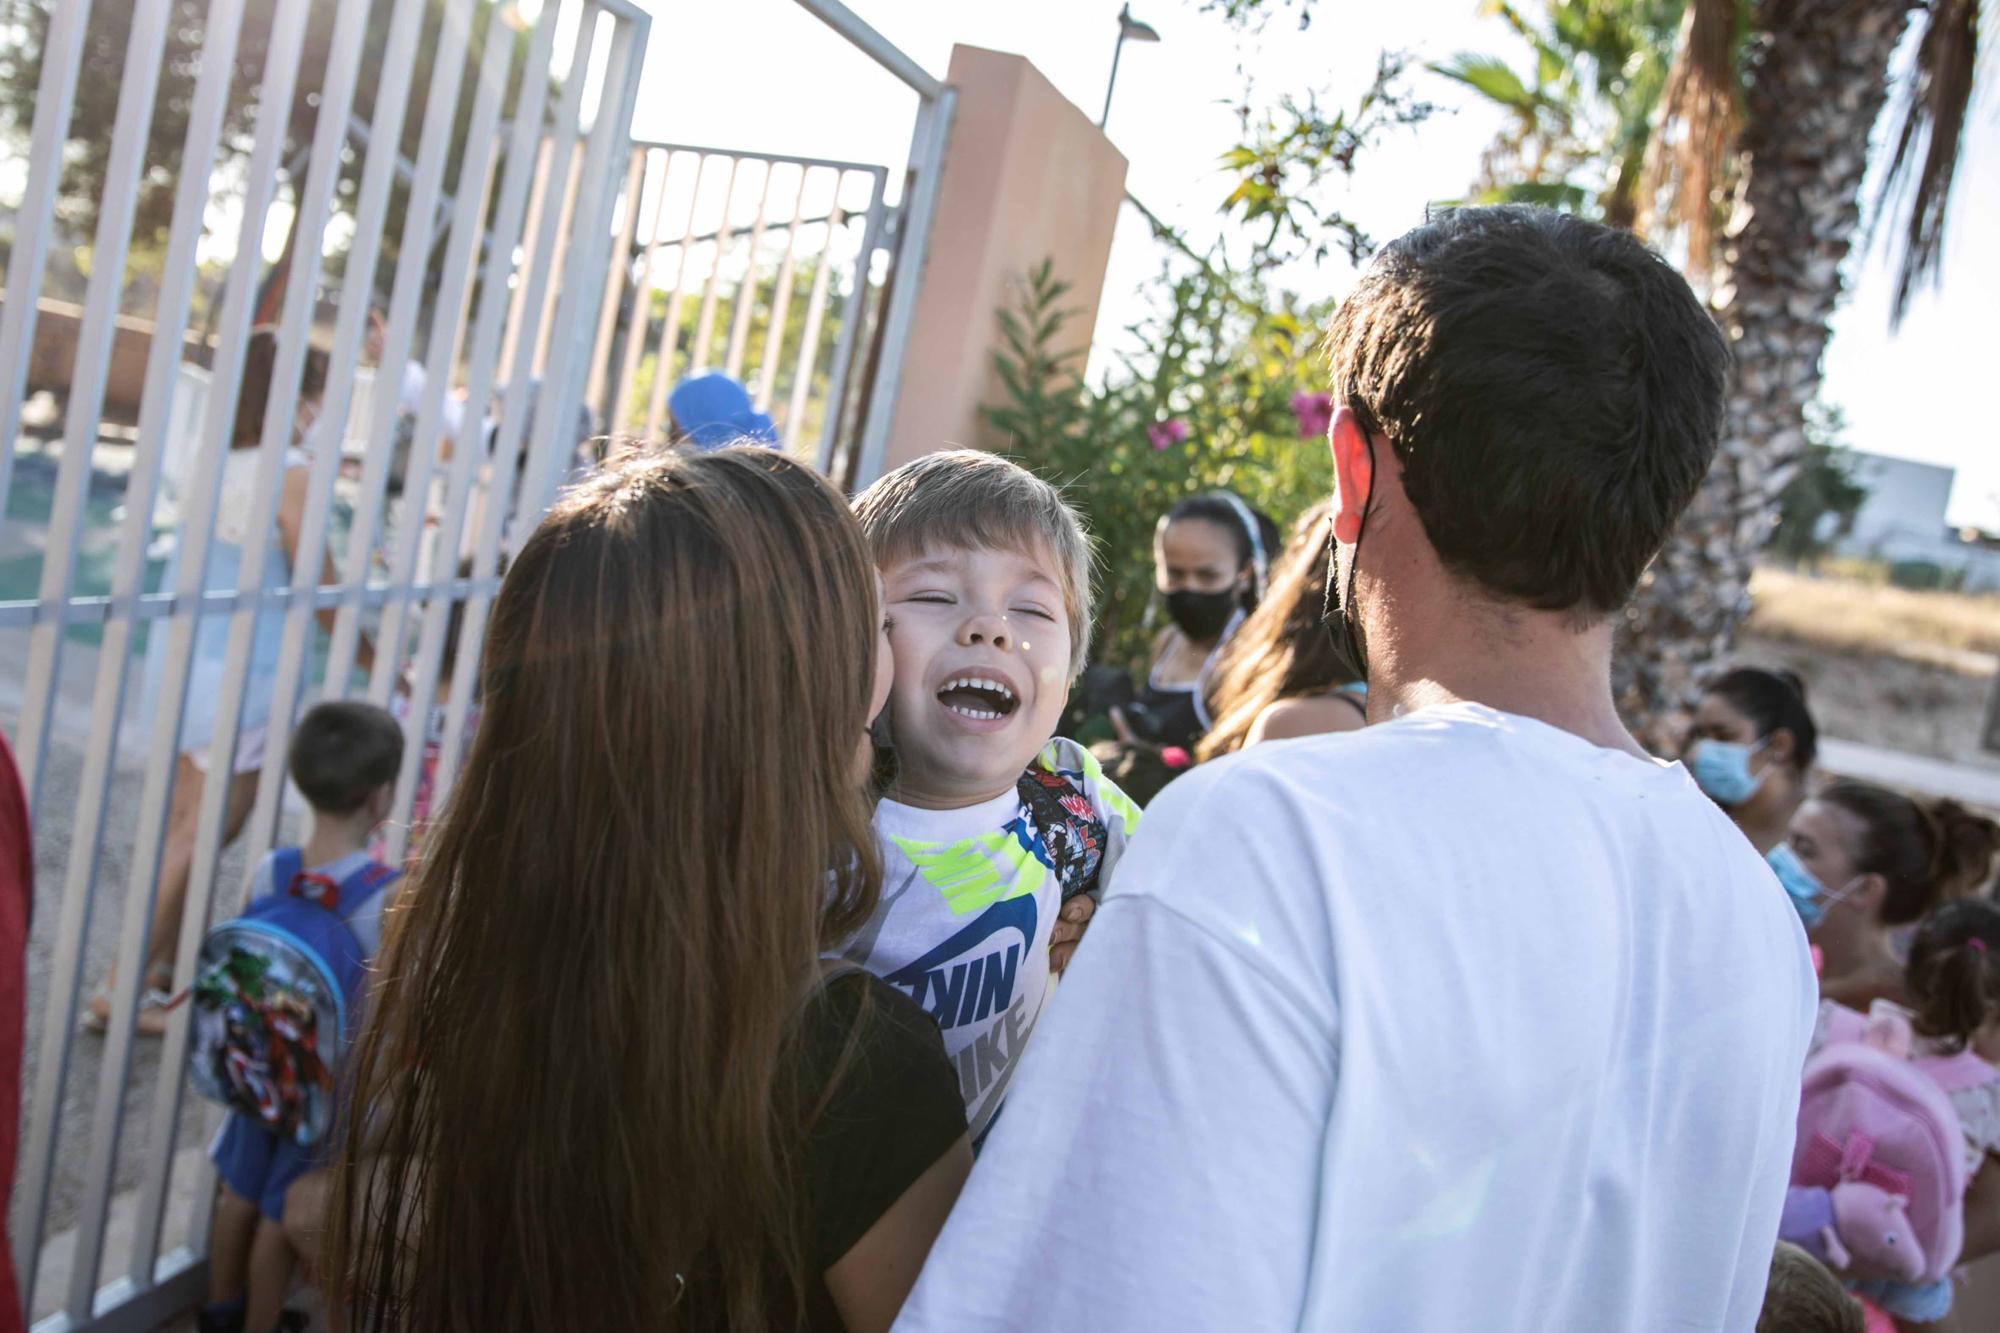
1210, 558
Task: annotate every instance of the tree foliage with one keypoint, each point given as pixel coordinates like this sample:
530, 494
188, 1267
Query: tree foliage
1205, 400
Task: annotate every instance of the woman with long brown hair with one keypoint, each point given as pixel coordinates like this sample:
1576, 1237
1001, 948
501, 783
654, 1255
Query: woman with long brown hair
1280, 675
606, 1081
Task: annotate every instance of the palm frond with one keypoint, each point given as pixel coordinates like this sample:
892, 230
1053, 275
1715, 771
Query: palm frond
1940, 94
1696, 130
1490, 77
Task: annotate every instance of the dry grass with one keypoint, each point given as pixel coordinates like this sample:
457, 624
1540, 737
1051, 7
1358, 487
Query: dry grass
1908, 671
1957, 631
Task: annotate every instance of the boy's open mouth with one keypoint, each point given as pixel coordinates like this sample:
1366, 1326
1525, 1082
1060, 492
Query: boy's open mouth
978, 697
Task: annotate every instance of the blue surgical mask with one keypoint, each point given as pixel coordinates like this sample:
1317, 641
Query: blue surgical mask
1800, 884
1722, 770
1807, 893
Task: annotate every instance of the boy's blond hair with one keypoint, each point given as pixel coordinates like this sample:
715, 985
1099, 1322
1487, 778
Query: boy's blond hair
1803, 1297
979, 501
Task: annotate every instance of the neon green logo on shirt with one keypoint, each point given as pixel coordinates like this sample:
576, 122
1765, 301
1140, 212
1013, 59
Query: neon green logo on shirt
974, 873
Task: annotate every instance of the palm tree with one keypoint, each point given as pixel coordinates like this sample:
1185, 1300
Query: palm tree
1578, 124
1769, 106
1815, 77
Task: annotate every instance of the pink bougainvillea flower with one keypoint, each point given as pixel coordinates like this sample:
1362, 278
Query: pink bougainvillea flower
1163, 434
1314, 411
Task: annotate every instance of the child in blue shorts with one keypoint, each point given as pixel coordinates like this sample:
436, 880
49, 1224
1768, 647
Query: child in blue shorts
344, 759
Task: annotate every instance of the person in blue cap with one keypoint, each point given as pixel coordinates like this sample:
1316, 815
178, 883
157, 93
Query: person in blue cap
711, 409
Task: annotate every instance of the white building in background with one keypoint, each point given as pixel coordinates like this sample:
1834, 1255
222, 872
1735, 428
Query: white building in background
1903, 519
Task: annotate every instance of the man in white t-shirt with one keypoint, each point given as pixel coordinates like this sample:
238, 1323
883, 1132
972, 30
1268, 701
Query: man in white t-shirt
1479, 1018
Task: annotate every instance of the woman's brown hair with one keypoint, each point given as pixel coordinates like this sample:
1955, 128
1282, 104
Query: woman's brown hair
260, 367
1282, 650
570, 1092
1953, 976
1929, 853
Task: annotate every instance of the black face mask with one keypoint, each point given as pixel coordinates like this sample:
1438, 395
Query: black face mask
1202, 615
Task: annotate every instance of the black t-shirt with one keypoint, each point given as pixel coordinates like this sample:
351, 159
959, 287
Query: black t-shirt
894, 1110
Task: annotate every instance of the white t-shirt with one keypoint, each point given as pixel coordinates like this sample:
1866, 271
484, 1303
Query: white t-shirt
969, 898
1459, 1022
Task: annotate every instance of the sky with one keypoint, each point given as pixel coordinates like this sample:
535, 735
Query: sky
766, 74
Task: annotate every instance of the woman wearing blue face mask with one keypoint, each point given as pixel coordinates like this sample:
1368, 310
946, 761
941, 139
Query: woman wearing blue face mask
1751, 748
1861, 862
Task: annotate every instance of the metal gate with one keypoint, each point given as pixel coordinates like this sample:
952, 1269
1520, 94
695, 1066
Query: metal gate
517, 159
757, 264
454, 181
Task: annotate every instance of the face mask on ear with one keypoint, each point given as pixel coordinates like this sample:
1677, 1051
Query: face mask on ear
1808, 895
1722, 770
1341, 621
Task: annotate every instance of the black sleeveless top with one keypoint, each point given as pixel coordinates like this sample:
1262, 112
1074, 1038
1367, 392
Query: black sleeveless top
894, 1111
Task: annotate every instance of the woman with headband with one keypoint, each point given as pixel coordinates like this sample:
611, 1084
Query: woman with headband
1211, 558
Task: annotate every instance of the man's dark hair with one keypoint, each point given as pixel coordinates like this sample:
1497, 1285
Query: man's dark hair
1552, 389
343, 753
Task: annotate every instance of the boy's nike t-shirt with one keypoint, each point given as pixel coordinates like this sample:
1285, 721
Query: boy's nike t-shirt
969, 898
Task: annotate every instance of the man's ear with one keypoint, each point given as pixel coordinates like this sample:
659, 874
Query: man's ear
1353, 475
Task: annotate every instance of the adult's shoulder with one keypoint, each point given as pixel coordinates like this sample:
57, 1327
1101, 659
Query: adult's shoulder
878, 1056
888, 1105
1306, 715
876, 1015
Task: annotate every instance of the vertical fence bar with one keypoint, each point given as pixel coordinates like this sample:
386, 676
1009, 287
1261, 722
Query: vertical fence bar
55, 96
642, 303
704, 326
517, 314
371, 206
128, 577
746, 291
280, 76
562, 383
622, 72
616, 274
315, 202
122, 170
447, 73
465, 461
853, 314
670, 332
531, 295
802, 373
781, 300
572, 178
927, 146
440, 358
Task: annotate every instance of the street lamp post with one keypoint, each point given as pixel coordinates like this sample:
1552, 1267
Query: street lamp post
1130, 29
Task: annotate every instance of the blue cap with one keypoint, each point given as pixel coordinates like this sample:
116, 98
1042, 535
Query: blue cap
711, 409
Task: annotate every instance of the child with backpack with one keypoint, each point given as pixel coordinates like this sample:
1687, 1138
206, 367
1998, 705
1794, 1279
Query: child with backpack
992, 826
276, 997
1900, 1110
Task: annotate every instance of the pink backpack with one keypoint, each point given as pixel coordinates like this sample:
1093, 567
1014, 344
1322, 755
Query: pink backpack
1869, 1113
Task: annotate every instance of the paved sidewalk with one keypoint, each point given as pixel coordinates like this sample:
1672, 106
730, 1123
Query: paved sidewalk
1973, 784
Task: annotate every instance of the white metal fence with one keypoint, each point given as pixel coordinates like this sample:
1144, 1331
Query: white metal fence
499, 274
546, 271
755, 264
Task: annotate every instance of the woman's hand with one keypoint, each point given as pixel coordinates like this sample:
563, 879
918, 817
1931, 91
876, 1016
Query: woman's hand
1071, 922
